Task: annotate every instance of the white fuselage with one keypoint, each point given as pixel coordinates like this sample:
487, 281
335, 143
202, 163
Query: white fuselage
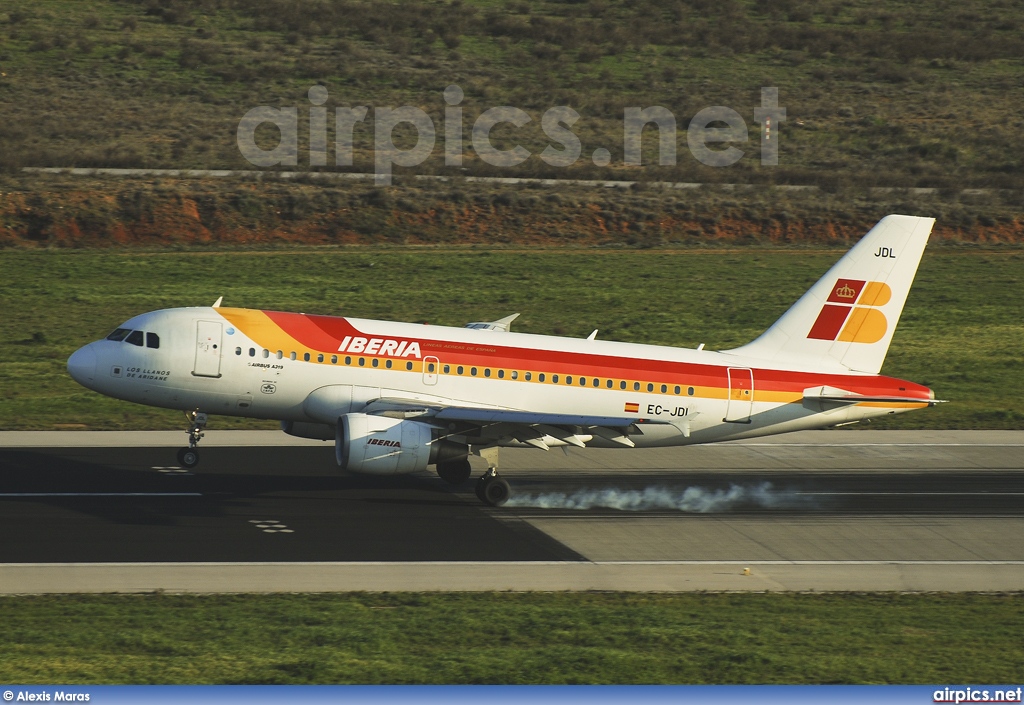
240, 362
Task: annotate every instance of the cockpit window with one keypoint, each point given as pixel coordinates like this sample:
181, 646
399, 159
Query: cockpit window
119, 334
152, 340
135, 338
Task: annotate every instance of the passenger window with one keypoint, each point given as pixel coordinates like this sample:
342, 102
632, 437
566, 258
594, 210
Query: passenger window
320, 358
152, 340
636, 386
650, 387
528, 376
458, 370
597, 383
334, 359
376, 362
515, 375
135, 338
348, 360
293, 356
540, 377
362, 362
487, 372
408, 365
622, 384
472, 371
664, 388
280, 354
305, 357
609, 384
266, 353
387, 363
431, 367
677, 389
689, 391
120, 334
501, 374
252, 352
554, 378
238, 351
447, 369
568, 380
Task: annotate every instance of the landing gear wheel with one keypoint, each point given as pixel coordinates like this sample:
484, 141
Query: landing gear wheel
188, 457
493, 490
455, 472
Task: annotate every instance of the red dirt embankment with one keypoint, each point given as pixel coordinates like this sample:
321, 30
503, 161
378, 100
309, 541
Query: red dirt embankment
124, 214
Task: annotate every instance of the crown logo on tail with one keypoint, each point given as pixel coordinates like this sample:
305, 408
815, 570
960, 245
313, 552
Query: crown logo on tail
839, 320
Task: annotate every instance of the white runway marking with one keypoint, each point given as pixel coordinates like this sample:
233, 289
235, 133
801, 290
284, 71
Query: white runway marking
498, 564
913, 494
863, 445
271, 526
101, 494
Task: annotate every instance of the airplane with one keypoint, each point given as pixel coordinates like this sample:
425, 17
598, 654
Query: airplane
398, 397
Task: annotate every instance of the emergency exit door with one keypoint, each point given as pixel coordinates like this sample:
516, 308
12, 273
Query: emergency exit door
208, 349
430, 369
741, 395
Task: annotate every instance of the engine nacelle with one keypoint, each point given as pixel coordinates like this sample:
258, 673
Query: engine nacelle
381, 445
301, 429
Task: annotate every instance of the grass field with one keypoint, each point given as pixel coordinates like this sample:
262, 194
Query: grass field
513, 639
962, 332
889, 93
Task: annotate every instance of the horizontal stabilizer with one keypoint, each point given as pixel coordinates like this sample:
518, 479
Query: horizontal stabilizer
840, 396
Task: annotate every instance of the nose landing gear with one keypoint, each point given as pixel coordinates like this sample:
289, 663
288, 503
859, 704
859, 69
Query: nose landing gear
189, 457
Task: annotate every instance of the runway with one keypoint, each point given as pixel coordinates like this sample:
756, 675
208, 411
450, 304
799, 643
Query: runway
826, 510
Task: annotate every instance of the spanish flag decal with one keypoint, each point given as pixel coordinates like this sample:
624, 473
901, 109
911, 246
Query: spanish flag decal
632, 408
851, 314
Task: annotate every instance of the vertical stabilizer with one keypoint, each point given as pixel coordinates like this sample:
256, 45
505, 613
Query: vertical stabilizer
847, 319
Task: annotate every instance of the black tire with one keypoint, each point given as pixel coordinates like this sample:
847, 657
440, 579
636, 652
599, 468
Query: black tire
188, 457
496, 491
455, 472
479, 489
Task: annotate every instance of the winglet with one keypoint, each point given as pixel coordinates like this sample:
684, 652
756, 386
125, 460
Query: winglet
502, 324
216, 304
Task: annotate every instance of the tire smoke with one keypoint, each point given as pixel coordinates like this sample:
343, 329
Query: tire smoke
694, 500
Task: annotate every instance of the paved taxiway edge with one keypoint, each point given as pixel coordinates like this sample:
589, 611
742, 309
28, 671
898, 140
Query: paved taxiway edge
670, 576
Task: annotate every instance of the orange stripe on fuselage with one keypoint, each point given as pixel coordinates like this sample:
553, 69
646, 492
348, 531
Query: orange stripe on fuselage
323, 334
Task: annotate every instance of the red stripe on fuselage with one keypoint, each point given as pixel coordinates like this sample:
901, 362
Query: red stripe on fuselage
325, 333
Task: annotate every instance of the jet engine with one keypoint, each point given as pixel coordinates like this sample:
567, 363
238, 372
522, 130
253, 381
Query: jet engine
301, 429
381, 445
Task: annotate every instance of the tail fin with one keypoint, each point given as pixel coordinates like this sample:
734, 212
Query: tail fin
847, 319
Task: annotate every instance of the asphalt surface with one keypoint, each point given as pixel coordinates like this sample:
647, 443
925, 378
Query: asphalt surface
840, 510
134, 504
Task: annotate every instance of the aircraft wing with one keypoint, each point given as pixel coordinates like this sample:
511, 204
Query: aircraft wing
528, 427
530, 417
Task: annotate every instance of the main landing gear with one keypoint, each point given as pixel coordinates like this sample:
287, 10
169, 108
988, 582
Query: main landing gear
492, 489
189, 457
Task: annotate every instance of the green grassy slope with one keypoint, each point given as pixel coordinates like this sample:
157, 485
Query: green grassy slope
878, 93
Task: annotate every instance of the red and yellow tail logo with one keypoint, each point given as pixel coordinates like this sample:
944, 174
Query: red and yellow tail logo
851, 314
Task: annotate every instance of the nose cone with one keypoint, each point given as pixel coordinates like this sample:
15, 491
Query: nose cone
82, 365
